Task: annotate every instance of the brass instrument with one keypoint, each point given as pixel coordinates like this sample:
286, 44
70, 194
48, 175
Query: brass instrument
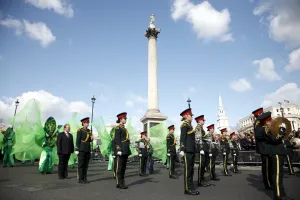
276, 125
297, 141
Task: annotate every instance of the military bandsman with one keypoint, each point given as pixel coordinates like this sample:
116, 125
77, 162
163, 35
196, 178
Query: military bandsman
171, 151
83, 150
122, 143
187, 150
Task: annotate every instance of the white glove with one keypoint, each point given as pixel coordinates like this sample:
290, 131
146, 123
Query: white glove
168, 154
282, 125
114, 156
234, 154
181, 153
224, 154
119, 153
202, 152
140, 155
76, 152
91, 137
210, 155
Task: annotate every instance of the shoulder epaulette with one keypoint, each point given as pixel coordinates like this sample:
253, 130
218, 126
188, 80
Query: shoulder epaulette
184, 124
117, 127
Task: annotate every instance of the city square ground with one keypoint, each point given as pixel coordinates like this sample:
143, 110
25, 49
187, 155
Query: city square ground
23, 182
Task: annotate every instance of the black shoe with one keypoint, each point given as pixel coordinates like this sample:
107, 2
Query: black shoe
227, 175
173, 177
192, 192
237, 172
124, 187
86, 181
82, 182
66, 177
291, 174
215, 179
203, 184
60, 178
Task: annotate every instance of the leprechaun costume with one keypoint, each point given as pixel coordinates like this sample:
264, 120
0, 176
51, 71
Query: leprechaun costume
8, 143
46, 163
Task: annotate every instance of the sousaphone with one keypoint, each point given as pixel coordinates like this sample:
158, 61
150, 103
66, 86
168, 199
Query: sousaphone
279, 122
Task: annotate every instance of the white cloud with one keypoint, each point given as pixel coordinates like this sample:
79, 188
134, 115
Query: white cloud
36, 31
266, 69
240, 85
294, 63
289, 91
133, 98
61, 7
50, 105
129, 103
207, 22
283, 20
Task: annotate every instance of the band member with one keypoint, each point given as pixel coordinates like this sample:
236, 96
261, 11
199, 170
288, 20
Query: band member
213, 153
235, 152
83, 150
143, 153
226, 150
122, 143
65, 147
171, 149
199, 133
290, 153
263, 149
187, 150
278, 152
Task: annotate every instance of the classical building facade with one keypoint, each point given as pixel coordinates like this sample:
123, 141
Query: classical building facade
290, 111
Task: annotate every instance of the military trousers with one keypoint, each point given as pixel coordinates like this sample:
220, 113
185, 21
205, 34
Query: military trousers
207, 161
201, 167
266, 170
225, 167
83, 164
235, 162
290, 164
172, 158
277, 176
212, 167
189, 161
121, 163
143, 165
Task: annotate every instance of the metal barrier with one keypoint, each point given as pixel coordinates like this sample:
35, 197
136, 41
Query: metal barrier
244, 158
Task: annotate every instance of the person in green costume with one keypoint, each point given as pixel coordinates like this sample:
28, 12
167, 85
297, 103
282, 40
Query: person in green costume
111, 152
49, 142
8, 141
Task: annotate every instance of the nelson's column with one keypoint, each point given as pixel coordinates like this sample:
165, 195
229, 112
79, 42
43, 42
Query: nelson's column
153, 116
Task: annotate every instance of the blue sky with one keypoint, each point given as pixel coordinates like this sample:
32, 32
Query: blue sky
100, 49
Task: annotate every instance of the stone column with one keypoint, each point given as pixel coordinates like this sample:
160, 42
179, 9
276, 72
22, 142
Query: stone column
153, 115
152, 33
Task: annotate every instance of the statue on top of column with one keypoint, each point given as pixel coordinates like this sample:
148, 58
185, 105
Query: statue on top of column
152, 19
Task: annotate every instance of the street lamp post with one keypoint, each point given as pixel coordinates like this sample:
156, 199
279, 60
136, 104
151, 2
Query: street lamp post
93, 99
93, 102
16, 104
281, 108
189, 102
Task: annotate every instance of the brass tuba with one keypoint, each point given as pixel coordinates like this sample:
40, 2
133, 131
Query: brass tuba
277, 123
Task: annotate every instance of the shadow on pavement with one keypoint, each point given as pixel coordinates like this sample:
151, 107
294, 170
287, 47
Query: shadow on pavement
256, 182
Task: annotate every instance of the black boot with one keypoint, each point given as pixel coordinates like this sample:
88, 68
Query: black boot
85, 180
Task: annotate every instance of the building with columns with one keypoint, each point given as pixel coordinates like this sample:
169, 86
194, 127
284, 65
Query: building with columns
289, 111
222, 118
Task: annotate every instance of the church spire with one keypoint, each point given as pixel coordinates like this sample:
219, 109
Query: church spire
222, 118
